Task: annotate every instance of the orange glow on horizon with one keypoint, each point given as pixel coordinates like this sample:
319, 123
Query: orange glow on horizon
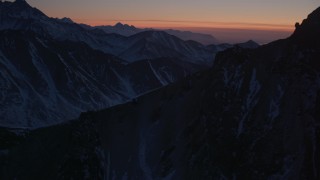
159, 24
228, 21
226, 32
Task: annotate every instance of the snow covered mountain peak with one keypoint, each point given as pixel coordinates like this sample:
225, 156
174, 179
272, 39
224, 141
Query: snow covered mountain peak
66, 20
19, 9
49, 58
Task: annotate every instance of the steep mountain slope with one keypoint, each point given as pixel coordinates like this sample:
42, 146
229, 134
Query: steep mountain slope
155, 44
19, 15
53, 69
254, 115
44, 81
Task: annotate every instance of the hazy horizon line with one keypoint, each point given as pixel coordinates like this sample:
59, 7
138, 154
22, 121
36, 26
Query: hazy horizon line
150, 23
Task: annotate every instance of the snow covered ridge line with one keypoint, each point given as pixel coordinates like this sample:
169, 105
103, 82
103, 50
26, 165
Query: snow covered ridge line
141, 45
45, 82
48, 77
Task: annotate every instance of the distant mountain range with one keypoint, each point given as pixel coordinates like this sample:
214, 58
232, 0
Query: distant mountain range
127, 30
254, 115
21, 16
54, 69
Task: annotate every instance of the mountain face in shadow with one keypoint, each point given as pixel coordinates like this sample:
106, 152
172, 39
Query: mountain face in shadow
253, 115
54, 69
44, 81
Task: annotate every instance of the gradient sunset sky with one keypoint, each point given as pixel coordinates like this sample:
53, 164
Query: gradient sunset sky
228, 20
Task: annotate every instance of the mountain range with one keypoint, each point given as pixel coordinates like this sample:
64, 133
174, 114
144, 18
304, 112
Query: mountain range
19, 15
253, 115
54, 69
129, 30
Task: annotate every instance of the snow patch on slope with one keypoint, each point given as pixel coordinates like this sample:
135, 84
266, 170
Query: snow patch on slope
159, 77
254, 88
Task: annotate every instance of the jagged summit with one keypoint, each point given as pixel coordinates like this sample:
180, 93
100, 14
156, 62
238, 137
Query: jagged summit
312, 20
309, 29
119, 24
14, 2
23, 2
315, 15
122, 26
66, 20
20, 9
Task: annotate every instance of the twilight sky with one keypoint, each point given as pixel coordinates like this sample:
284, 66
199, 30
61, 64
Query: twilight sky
229, 20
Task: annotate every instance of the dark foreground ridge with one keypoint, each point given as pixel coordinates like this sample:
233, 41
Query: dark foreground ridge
254, 115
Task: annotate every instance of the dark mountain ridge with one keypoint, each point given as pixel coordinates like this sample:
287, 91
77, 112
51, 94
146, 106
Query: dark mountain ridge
253, 115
